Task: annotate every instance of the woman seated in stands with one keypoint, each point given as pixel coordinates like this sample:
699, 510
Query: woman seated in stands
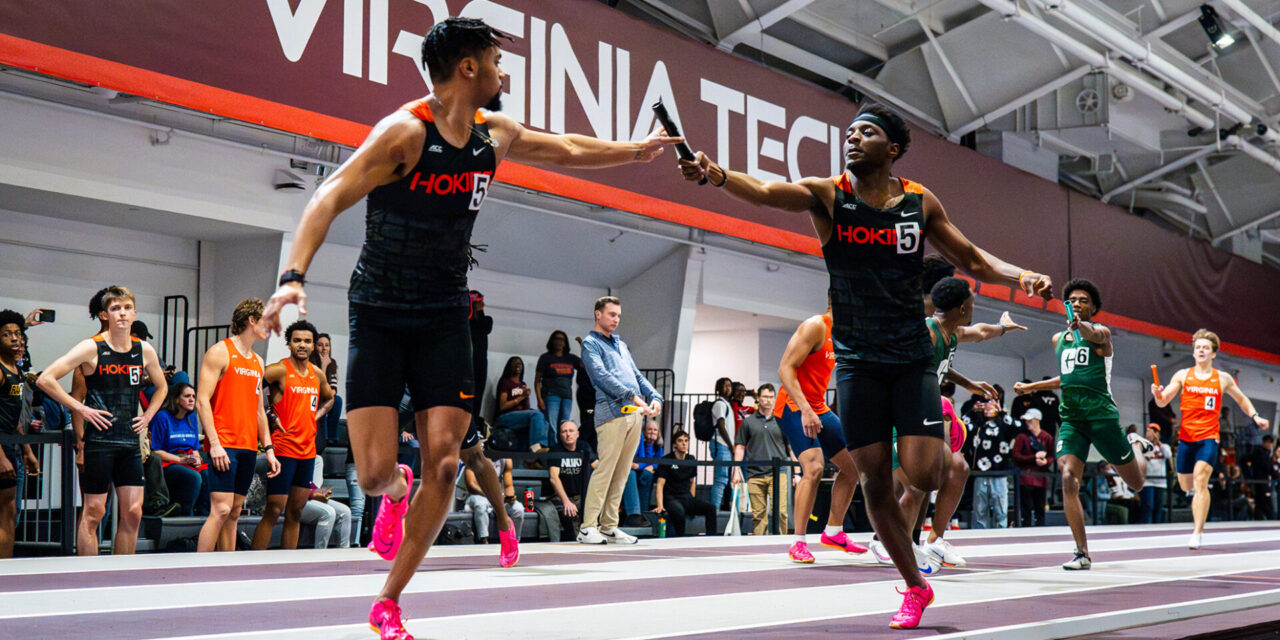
514, 411
677, 487
639, 489
175, 437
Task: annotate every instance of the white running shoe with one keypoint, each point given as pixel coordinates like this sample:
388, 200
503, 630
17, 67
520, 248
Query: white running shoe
591, 535
878, 552
1080, 562
945, 553
926, 562
1194, 542
617, 536
1142, 442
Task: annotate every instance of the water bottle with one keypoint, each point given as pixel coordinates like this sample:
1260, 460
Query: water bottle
528, 500
662, 527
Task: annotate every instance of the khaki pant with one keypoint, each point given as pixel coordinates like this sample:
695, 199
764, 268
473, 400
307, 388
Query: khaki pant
618, 440
761, 491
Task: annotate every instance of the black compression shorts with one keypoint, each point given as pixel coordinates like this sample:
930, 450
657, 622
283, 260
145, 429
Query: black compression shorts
429, 351
106, 466
874, 398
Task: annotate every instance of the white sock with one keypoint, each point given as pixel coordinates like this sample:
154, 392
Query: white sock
832, 530
800, 538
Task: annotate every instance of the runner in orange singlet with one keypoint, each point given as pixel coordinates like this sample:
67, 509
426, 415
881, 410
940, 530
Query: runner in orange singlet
298, 391
815, 434
229, 403
1202, 387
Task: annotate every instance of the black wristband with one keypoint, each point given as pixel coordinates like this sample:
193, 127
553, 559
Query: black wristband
722, 182
292, 275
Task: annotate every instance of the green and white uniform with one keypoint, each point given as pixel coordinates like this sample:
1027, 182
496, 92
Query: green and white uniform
1089, 413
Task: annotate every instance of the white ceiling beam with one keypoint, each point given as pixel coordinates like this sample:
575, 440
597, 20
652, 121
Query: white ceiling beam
1247, 226
1253, 18
1262, 57
1213, 189
755, 27
842, 34
1017, 102
1173, 25
1162, 170
946, 64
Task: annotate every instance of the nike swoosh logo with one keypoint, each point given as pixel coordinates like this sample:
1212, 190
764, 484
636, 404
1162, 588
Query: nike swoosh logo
465, 396
476, 152
932, 423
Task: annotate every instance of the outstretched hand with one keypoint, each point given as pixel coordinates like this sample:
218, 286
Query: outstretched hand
1007, 322
288, 293
653, 146
1037, 284
697, 168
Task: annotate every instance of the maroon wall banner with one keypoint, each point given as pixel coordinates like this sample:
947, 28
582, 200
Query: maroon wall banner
332, 68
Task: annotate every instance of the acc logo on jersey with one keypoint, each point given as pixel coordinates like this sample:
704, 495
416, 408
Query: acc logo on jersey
1072, 358
908, 236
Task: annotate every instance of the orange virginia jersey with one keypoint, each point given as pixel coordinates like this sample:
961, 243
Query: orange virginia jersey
814, 375
299, 399
1201, 405
236, 400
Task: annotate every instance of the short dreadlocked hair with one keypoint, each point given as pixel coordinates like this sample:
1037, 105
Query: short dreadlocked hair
454, 39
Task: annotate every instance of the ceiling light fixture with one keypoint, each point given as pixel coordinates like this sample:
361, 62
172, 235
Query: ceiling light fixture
1215, 28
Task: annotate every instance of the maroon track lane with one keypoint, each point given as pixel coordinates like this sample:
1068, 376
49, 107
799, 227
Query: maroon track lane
972, 617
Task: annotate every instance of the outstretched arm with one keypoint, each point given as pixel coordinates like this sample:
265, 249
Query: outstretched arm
809, 194
571, 150
1022, 388
967, 256
986, 331
983, 389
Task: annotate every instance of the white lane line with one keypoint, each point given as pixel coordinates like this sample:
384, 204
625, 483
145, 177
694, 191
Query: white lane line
769, 608
285, 588
1079, 626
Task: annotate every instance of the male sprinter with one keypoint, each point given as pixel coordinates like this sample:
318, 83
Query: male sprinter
872, 227
1089, 413
949, 326
426, 170
298, 389
229, 404
112, 363
815, 434
1202, 387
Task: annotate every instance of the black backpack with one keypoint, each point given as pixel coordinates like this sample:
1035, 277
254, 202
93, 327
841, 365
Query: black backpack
704, 424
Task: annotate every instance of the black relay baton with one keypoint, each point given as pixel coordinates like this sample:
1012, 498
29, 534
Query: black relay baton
660, 110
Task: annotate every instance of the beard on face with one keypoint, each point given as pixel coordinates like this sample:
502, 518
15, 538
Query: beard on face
494, 103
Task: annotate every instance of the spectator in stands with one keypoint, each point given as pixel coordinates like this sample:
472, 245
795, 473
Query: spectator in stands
639, 491
619, 385
330, 519
586, 396
1151, 496
1231, 496
553, 380
1033, 453
474, 501
513, 406
677, 490
992, 444
760, 438
481, 327
355, 499
171, 375
328, 417
175, 439
726, 419
566, 485
13, 458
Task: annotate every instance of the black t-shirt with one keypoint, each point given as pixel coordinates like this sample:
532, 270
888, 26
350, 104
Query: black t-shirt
574, 467
10, 400
993, 443
557, 374
679, 478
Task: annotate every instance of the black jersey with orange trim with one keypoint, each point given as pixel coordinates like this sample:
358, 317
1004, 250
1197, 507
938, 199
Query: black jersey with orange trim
113, 386
418, 229
875, 260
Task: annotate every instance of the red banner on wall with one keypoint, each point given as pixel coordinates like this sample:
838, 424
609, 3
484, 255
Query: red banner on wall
332, 68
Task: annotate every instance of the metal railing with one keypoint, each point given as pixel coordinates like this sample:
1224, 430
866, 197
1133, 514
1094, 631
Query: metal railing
173, 326
49, 518
196, 341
